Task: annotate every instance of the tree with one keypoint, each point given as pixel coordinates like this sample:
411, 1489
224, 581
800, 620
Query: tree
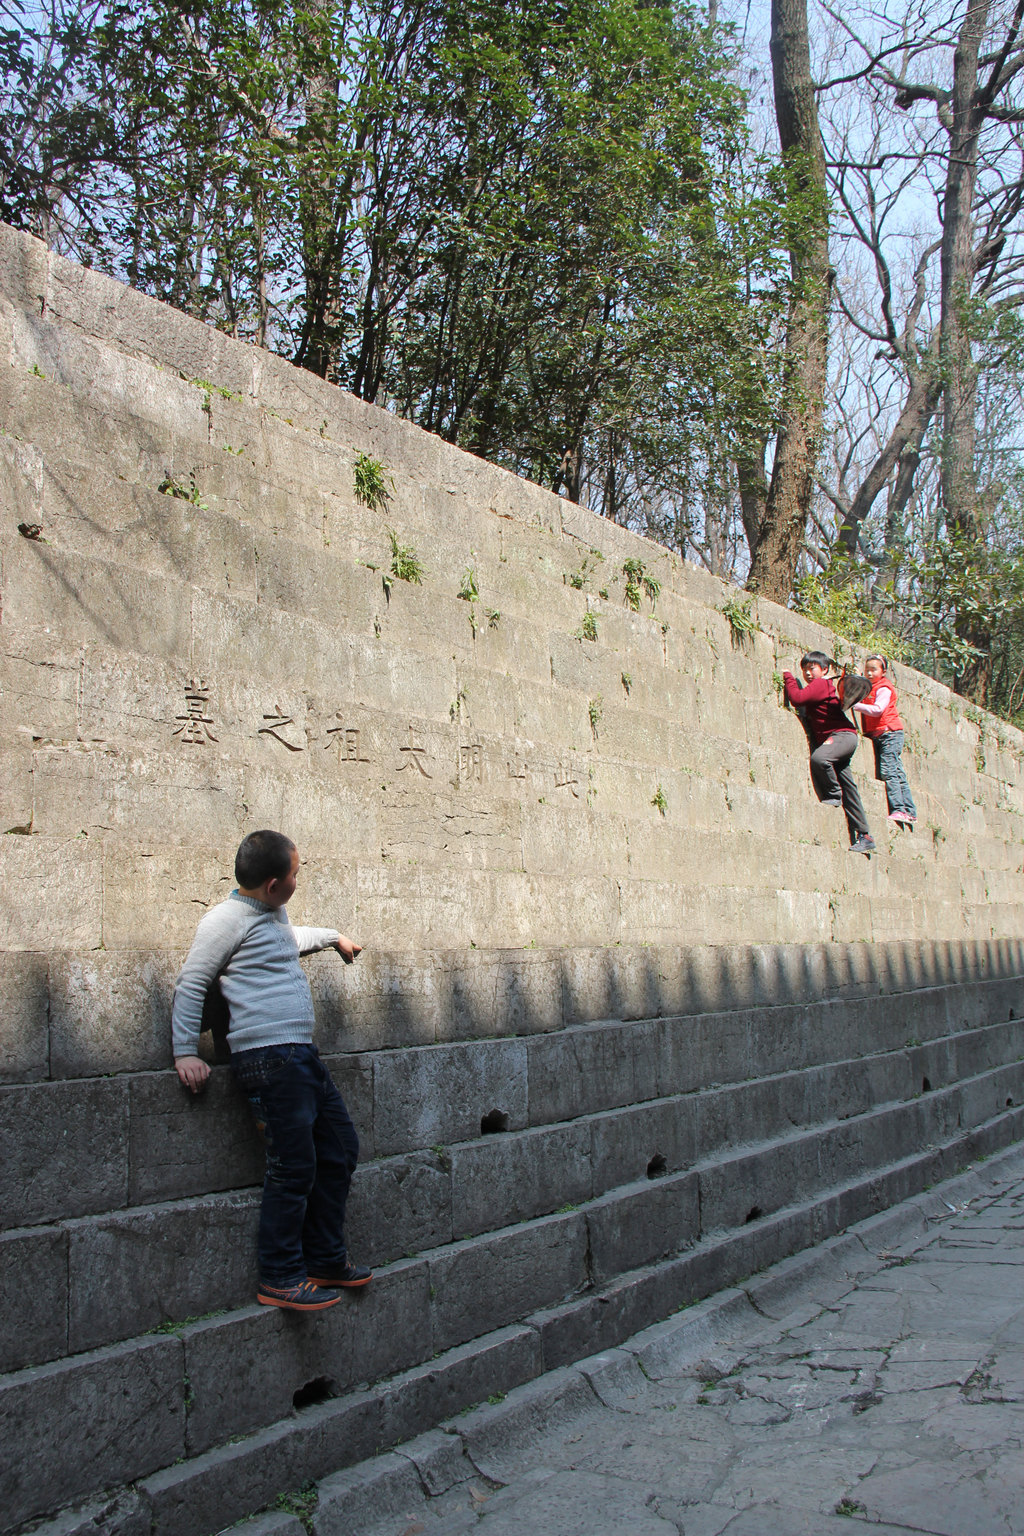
781, 527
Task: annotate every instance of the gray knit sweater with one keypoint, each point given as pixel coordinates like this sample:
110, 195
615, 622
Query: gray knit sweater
254, 950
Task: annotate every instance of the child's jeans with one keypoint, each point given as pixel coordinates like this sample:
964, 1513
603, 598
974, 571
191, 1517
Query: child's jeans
889, 768
312, 1150
833, 780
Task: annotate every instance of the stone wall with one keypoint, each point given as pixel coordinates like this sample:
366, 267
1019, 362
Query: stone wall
630, 1023
460, 776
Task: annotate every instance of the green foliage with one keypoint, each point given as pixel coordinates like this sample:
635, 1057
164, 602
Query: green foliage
639, 580
171, 487
838, 600
588, 627
659, 802
627, 682
742, 618
301, 1503
493, 616
405, 563
594, 712
468, 591
372, 484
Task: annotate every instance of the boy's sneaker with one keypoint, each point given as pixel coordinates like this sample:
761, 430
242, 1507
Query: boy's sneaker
306, 1296
349, 1276
864, 844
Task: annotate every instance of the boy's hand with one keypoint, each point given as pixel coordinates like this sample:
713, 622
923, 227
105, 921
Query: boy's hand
192, 1072
348, 949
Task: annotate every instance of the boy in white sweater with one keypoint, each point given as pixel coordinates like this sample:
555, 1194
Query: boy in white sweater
312, 1147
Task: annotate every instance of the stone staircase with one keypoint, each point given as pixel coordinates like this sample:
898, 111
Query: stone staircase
526, 1201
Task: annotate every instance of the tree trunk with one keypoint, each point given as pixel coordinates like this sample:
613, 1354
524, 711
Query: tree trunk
781, 537
960, 376
753, 488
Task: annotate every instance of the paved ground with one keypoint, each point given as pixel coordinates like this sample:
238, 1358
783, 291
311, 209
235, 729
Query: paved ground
887, 1388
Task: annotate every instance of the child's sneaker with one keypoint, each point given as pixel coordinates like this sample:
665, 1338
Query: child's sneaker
306, 1296
349, 1275
864, 844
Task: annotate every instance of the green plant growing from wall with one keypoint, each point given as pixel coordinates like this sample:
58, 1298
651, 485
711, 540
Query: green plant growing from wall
372, 483
659, 802
469, 591
405, 563
170, 487
493, 617
587, 629
594, 711
639, 581
301, 1503
627, 682
578, 579
742, 619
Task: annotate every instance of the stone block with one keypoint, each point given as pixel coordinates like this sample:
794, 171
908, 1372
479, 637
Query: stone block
580, 1071
134, 1270
24, 1028
122, 1513
385, 1000
491, 1281
458, 1379
388, 1487
121, 1416
33, 1297
641, 1223
190, 1144
58, 880
110, 1012
374, 1332
210, 1492
504, 992
496, 1435
505, 1179
399, 1207
64, 1150
641, 1139
276, 1524
435, 1095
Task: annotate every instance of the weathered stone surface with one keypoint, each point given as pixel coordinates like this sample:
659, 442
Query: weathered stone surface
185, 1144
132, 1271
482, 1285
209, 1492
427, 1097
458, 1379
387, 1487
120, 1414
400, 1206
64, 1150
505, 1179
641, 1223
374, 1332
24, 1031
33, 1297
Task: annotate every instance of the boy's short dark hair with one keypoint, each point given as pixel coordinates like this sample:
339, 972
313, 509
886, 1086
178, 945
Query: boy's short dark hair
263, 856
817, 659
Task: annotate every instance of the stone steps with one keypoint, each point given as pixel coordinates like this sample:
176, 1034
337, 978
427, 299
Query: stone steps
175, 1392
100, 1279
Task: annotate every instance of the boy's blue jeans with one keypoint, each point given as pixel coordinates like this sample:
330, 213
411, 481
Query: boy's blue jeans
312, 1151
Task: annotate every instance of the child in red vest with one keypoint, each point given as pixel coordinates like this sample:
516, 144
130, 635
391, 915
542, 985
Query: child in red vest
881, 722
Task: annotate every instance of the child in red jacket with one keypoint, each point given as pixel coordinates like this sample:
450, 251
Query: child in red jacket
880, 721
833, 739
